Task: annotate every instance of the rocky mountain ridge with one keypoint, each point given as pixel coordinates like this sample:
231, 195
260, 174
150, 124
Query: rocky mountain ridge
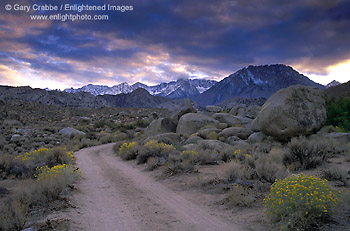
333, 84
140, 98
182, 88
254, 82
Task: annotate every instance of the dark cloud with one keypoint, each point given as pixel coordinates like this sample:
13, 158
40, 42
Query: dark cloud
208, 37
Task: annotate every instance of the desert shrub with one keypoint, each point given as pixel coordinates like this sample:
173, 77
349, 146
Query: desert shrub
207, 157
104, 123
335, 174
227, 154
300, 201
268, 170
13, 214
328, 129
107, 139
241, 196
173, 167
262, 147
51, 182
345, 199
59, 155
141, 123
6, 164
233, 171
44, 156
190, 156
118, 136
85, 143
128, 151
154, 149
200, 156
91, 135
152, 163
338, 111
213, 136
307, 154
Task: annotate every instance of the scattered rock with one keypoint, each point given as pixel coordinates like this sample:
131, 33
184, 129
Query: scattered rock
168, 138
159, 126
238, 110
293, 111
230, 120
257, 137
213, 108
187, 108
222, 126
240, 143
213, 144
12, 123
241, 132
232, 140
68, 131
12, 115
193, 140
342, 138
205, 134
253, 111
339, 137
17, 138
191, 122
84, 120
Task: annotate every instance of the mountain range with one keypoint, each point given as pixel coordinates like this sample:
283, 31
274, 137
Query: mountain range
251, 83
182, 88
339, 90
140, 98
254, 82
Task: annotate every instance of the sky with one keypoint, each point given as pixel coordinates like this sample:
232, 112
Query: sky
164, 40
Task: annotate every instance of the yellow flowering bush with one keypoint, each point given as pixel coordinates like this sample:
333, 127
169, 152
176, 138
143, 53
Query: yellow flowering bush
299, 201
190, 156
51, 182
128, 151
31, 156
44, 156
154, 149
56, 171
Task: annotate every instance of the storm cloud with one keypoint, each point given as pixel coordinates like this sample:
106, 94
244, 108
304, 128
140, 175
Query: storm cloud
166, 40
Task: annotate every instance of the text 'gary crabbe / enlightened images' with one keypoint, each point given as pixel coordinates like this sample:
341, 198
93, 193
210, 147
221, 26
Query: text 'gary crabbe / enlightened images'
68, 7
68, 12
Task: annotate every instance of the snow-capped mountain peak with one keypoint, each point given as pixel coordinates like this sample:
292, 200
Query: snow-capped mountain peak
333, 84
182, 88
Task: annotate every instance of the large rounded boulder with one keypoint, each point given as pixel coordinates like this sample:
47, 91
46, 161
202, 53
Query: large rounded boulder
159, 126
68, 131
192, 122
293, 111
230, 120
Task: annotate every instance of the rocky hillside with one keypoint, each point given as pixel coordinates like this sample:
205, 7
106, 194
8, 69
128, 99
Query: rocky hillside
139, 98
182, 88
340, 90
254, 82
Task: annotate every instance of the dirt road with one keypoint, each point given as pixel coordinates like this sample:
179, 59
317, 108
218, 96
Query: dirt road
115, 195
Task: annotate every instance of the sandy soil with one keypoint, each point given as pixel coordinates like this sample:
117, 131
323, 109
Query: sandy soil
117, 195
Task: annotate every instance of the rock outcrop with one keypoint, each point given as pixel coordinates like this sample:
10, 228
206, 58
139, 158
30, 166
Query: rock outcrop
293, 111
192, 122
68, 131
228, 119
159, 126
